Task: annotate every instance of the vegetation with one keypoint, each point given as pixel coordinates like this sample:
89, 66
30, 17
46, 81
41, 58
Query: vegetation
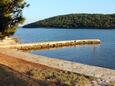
10, 16
60, 78
9, 77
77, 21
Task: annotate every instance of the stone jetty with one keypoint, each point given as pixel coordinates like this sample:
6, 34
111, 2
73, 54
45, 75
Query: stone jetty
54, 44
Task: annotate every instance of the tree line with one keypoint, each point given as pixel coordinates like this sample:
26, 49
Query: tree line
77, 21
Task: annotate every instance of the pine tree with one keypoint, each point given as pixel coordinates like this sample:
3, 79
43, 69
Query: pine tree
11, 16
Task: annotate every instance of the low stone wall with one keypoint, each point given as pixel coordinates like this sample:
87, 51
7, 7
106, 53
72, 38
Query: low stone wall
55, 44
87, 70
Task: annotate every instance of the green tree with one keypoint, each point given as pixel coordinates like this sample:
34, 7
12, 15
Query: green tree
10, 16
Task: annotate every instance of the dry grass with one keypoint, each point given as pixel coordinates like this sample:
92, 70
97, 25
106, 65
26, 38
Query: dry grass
61, 78
9, 77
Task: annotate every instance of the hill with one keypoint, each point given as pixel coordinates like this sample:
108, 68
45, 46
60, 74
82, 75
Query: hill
76, 21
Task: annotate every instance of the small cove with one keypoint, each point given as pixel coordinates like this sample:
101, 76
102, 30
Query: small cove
102, 55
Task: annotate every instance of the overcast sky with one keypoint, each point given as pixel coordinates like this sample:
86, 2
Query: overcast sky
40, 9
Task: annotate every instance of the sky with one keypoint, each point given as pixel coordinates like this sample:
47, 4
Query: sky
41, 9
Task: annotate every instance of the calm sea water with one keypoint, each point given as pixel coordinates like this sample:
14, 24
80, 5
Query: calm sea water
102, 55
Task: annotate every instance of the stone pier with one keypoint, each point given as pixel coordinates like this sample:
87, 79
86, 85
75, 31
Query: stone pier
54, 44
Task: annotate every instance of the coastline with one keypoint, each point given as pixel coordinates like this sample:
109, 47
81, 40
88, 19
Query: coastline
92, 71
35, 74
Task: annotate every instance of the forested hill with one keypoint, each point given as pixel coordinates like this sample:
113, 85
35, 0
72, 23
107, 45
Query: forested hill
77, 21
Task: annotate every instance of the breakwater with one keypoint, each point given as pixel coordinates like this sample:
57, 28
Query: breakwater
54, 44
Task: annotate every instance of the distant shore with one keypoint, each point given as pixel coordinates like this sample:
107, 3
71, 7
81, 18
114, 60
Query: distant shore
101, 21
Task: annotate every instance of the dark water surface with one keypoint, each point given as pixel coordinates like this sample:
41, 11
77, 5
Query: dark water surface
102, 55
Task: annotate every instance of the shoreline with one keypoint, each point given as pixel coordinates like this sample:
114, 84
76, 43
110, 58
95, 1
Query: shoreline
92, 71
51, 28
